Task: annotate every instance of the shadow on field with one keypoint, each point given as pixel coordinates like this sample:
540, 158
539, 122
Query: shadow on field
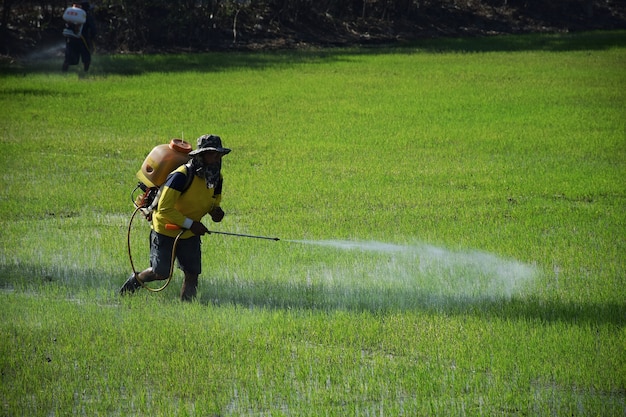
44, 92
300, 297
49, 60
562, 42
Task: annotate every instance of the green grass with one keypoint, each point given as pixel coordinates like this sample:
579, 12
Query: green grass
481, 183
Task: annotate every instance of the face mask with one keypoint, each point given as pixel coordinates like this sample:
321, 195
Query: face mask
210, 173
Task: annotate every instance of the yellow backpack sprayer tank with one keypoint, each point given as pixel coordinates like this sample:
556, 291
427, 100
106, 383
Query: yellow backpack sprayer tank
160, 162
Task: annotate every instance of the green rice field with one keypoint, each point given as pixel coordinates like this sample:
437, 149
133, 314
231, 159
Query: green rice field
451, 217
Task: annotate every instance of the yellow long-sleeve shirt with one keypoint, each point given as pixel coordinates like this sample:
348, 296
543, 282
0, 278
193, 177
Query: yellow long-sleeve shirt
182, 208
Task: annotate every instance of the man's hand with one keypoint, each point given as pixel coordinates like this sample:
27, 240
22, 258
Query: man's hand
198, 229
217, 214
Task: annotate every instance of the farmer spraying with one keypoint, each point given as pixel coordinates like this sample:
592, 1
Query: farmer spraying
79, 32
176, 220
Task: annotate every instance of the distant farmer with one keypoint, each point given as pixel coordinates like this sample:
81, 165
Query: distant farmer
79, 32
184, 206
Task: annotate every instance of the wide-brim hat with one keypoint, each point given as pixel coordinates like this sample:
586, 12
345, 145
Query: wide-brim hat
209, 143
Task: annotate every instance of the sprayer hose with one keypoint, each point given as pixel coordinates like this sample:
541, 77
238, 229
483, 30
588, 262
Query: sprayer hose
132, 265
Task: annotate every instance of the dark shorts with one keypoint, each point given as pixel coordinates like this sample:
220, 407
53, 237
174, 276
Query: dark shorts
75, 50
188, 254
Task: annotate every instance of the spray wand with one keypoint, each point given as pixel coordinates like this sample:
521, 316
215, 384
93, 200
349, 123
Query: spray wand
176, 227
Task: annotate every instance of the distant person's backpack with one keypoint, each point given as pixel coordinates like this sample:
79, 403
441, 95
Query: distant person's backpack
74, 18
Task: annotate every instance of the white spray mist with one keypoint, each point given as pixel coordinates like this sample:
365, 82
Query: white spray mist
433, 274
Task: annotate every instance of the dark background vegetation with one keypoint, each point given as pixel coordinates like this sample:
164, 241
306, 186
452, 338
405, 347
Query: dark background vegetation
202, 25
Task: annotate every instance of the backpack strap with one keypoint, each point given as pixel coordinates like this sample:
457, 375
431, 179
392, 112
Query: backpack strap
157, 190
190, 176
